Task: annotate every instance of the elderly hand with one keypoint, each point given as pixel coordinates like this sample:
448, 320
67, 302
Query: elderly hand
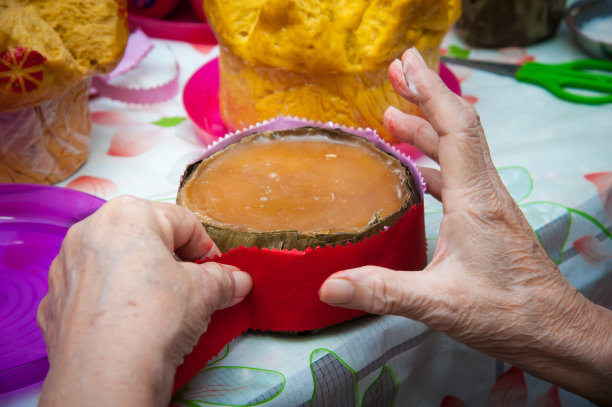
490, 285
121, 311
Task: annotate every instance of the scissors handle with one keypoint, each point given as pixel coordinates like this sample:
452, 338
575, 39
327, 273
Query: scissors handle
557, 78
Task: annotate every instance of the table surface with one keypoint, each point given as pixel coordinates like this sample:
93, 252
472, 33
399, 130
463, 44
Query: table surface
554, 157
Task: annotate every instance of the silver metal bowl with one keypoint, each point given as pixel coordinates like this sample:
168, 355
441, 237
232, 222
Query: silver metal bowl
579, 15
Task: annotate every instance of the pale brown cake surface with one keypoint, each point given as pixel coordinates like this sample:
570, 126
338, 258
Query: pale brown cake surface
312, 184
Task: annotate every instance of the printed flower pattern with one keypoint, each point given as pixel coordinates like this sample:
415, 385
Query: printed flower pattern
592, 250
21, 69
513, 55
128, 142
510, 391
603, 183
231, 385
335, 383
100, 187
557, 219
133, 137
203, 48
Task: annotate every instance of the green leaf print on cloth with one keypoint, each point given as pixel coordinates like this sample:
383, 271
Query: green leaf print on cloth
383, 391
550, 219
335, 382
232, 386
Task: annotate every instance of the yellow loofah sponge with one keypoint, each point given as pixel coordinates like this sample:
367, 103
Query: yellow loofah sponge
47, 47
322, 60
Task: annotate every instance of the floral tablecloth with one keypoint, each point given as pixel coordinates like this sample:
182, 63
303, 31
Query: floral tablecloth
554, 157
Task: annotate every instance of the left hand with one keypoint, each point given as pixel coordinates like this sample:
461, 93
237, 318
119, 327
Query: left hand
121, 311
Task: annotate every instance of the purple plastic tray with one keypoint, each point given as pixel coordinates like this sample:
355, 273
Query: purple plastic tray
33, 222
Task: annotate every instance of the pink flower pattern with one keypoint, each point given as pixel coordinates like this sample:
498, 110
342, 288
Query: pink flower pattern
592, 250
132, 141
452, 401
514, 55
112, 118
470, 99
603, 183
100, 187
548, 399
589, 247
203, 48
510, 391
132, 137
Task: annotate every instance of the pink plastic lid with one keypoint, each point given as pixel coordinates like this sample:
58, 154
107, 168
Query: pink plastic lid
33, 222
201, 100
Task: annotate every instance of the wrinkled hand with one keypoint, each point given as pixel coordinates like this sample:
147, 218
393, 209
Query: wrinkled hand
121, 311
490, 285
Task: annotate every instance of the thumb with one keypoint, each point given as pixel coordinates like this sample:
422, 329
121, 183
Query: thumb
217, 286
378, 290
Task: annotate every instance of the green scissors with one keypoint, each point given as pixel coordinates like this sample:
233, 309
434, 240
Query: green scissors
556, 78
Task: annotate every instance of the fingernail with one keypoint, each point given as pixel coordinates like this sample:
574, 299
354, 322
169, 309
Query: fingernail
243, 283
393, 110
411, 64
408, 60
397, 62
337, 291
211, 250
413, 60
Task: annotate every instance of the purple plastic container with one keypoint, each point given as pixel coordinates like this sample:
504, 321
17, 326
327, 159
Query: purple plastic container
33, 222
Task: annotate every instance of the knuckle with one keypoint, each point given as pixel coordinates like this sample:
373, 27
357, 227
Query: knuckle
163, 221
120, 208
74, 233
124, 201
121, 215
218, 280
422, 132
469, 118
426, 139
384, 299
434, 91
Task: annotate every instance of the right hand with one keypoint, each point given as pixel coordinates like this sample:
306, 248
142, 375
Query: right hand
490, 284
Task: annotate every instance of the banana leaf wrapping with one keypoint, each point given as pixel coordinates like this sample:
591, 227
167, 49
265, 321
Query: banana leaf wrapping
229, 237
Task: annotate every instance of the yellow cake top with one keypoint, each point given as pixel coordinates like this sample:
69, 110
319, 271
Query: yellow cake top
46, 47
328, 36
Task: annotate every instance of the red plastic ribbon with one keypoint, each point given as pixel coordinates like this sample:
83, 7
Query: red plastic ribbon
286, 284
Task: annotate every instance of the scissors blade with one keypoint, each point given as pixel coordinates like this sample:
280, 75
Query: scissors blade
495, 67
